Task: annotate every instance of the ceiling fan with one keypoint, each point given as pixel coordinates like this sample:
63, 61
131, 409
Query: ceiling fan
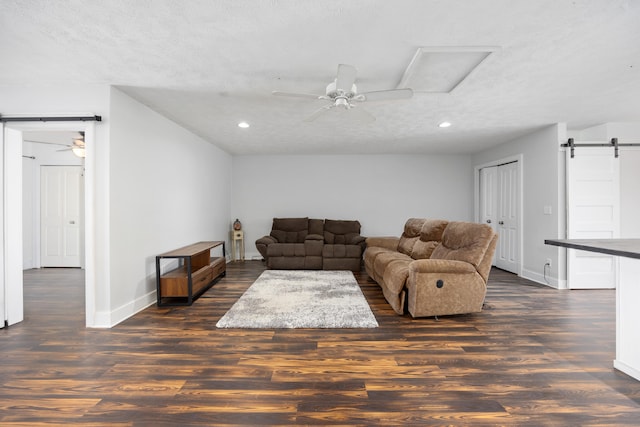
343, 95
77, 145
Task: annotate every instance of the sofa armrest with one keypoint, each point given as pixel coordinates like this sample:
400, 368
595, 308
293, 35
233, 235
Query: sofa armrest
314, 237
266, 240
390, 243
357, 240
263, 243
441, 266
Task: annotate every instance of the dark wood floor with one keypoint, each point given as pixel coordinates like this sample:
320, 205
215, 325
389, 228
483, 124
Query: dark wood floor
535, 357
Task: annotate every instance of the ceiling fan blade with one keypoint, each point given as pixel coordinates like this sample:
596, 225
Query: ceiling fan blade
387, 95
346, 77
48, 143
319, 112
298, 95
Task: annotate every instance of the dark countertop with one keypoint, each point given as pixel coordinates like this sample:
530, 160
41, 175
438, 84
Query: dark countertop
629, 248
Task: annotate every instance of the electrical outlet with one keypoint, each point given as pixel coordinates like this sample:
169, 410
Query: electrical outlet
548, 262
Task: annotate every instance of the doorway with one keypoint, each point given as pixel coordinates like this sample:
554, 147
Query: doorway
499, 195
12, 232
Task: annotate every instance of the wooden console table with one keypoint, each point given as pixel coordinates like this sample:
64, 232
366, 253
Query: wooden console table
196, 272
627, 296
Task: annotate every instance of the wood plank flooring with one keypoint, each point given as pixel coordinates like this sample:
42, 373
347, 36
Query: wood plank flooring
535, 356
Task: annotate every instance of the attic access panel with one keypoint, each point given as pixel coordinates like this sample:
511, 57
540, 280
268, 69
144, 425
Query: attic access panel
443, 69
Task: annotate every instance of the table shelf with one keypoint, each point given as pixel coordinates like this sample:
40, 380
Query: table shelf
197, 271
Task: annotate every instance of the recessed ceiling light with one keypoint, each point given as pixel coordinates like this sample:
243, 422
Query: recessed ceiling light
243, 125
444, 124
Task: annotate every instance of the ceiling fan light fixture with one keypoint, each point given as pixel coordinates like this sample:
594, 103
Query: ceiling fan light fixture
79, 151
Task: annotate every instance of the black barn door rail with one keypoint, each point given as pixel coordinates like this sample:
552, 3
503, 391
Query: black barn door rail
614, 143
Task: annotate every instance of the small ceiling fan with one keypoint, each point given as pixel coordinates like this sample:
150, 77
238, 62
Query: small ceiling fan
77, 145
343, 94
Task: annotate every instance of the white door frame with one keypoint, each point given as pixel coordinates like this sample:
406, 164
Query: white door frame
15, 210
12, 300
519, 158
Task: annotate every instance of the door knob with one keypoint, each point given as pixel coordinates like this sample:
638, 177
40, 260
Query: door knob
501, 222
72, 222
488, 221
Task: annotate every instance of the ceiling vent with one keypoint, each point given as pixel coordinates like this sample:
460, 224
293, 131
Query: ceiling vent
443, 69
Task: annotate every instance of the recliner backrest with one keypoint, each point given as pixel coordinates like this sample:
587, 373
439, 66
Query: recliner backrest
421, 236
290, 230
340, 232
465, 241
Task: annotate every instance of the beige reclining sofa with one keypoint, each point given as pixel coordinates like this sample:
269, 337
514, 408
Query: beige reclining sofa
434, 268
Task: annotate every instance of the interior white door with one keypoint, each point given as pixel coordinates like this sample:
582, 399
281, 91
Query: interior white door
61, 189
593, 212
489, 199
500, 208
489, 196
508, 249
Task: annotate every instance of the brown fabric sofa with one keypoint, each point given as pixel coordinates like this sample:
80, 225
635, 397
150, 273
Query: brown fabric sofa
312, 244
434, 268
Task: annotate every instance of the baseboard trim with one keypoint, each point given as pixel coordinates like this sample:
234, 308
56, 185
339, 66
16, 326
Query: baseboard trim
125, 311
552, 282
106, 319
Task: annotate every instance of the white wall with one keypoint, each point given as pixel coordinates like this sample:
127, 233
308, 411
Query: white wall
380, 191
168, 188
543, 185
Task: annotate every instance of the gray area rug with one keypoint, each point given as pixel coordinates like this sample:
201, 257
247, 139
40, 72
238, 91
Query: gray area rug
301, 299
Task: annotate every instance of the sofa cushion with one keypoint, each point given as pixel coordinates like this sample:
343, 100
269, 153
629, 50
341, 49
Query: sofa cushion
421, 236
430, 237
340, 231
423, 250
316, 226
410, 235
290, 230
286, 250
432, 230
382, 261
464, 241
341, 251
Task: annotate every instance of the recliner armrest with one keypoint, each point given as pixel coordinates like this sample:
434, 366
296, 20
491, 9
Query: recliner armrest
390, 243
266, 240
441, 266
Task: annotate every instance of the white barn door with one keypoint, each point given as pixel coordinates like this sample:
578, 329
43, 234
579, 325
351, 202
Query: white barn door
61, 190
593, 212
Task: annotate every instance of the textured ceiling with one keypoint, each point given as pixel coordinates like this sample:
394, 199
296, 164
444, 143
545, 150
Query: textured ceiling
209, 64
